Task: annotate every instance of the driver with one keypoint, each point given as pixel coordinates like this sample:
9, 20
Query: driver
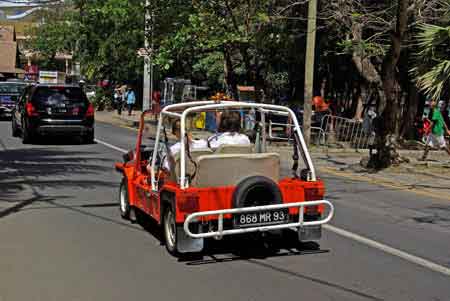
175, 149
229, 128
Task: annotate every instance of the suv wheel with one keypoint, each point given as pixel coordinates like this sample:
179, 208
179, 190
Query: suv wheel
14, 128
27, 136
88, 138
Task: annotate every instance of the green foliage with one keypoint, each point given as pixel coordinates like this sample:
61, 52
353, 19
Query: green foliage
433, 60
103, 35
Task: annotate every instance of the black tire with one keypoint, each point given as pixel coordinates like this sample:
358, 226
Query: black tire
14, 128
124, 201
265, 190
170, 231
89, 137
27, 136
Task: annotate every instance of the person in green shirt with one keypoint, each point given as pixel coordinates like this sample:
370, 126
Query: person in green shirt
438, 128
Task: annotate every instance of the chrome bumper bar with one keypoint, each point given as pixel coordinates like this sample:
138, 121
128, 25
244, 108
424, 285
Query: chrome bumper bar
221, 232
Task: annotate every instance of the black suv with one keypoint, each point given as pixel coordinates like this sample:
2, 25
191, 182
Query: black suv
45, 109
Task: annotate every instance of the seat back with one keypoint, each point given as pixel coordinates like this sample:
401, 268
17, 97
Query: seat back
190, 167
234, 149
221, 170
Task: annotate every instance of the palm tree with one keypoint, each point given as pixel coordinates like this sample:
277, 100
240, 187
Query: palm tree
432, 71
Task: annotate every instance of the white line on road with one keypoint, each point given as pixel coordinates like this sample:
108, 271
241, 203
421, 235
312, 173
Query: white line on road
390, 250
369, 242
111, 146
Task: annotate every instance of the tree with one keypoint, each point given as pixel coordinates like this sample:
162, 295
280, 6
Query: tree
56, 35
433, 60
376, 35
102, 35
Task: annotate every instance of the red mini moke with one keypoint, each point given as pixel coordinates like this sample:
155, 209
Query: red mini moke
230, 190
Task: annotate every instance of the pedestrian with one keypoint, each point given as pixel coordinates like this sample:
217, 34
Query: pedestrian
438, 128
130, 99
118, 100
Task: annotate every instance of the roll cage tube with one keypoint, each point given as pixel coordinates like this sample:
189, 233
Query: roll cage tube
199, 106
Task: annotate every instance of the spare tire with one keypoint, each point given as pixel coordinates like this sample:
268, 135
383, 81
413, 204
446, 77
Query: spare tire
256, 191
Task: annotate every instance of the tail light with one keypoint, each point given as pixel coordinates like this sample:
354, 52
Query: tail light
31, 110
90, 111
314, 194
188, 203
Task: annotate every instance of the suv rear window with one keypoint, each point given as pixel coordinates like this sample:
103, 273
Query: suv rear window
55, 95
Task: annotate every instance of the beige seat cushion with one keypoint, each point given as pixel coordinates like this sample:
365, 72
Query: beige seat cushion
195, 154
230, 169
234, 149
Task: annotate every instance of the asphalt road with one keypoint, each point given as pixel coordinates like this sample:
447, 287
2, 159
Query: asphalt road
61, 238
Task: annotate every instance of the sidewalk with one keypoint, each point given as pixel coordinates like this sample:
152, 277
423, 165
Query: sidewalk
123, 120
431, 177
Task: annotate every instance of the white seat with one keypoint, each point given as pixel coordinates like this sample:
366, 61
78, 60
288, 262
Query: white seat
190, 167
220, 170
234, 149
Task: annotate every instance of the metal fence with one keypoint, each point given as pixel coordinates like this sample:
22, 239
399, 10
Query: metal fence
340, 130
333, 130
281, 132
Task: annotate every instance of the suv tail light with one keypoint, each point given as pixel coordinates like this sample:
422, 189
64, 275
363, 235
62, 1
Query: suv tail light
90, 111
31, 110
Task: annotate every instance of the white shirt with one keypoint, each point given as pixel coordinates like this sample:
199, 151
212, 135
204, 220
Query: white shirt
228, 138
176, 148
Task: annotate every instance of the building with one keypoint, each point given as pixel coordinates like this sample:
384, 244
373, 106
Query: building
20, 16
9, 53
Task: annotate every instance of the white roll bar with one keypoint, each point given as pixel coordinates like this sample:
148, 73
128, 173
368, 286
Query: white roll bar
198, 106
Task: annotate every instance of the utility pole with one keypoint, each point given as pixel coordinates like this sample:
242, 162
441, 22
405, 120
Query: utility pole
309, 69
148, 64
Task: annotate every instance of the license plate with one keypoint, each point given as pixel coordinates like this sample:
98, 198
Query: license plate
262, 218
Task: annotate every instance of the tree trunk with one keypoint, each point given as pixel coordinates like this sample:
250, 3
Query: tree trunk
230, 76
411, 112
386, 148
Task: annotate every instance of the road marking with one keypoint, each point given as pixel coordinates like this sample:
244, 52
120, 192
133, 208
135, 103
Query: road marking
369, 242
390, 250
406, 188
111, 146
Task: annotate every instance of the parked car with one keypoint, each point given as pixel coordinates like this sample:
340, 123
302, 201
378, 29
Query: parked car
9, 94
46, 109
210, 193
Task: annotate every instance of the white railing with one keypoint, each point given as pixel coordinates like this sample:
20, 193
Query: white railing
340, 129
317, 132
220, 232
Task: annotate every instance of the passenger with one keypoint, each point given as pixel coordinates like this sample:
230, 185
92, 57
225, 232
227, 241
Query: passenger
229, 128
176, 148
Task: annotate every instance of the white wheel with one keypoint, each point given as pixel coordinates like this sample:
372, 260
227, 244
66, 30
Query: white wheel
124, 204
170, 231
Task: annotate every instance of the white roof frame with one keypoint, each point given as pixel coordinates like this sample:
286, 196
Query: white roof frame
199, 106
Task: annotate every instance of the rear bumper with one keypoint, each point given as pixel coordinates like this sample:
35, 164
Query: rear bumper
308, 226
64, 129
46, 126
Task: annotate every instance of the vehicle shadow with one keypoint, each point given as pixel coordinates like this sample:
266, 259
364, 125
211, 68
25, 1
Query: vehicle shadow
24, 169
254, 250
59, 140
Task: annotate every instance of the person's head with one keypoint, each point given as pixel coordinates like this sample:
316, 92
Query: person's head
433, 103
176, 128
230, 121
441, 105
